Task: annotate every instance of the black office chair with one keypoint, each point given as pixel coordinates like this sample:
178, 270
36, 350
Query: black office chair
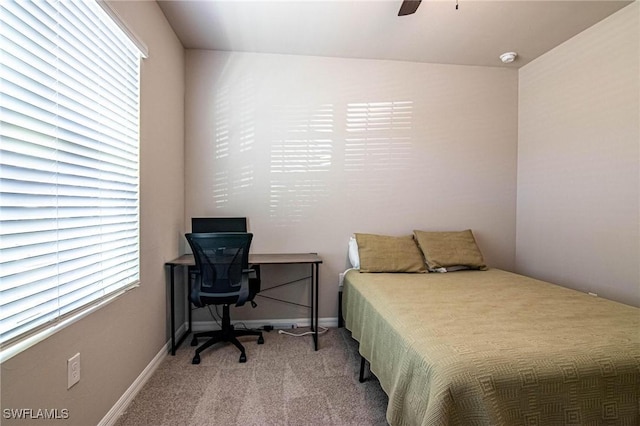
222, 277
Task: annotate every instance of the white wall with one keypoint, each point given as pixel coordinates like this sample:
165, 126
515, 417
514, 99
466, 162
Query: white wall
312, 149
579, 161
119, 340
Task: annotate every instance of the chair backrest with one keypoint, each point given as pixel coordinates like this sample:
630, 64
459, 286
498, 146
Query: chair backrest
220, 259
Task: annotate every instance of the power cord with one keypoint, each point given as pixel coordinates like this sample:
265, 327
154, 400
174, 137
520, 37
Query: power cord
321, 330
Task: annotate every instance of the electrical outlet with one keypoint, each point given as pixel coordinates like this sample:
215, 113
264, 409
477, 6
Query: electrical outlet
73, 370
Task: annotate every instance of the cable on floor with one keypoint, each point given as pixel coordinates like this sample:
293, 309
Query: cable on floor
321, 330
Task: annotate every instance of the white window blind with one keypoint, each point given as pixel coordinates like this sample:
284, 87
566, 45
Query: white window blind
69, 181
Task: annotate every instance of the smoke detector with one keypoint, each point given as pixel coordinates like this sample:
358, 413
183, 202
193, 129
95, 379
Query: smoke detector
508, 57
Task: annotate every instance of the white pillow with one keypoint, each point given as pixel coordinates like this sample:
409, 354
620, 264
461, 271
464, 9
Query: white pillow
354, 258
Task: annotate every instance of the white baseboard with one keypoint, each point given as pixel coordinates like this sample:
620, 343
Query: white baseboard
276, 323
121, 405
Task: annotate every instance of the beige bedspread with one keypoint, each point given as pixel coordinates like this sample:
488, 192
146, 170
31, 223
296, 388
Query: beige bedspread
495, 348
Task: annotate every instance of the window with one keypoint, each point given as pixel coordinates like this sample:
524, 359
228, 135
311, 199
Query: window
69, 181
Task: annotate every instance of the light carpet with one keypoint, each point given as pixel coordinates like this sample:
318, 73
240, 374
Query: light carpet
283, 382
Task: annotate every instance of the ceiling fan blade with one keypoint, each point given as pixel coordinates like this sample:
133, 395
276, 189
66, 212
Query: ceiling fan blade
408, 7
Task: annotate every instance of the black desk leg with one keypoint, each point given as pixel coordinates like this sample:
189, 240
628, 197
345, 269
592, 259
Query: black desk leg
313, 328
316, 304
174, 343
173, 313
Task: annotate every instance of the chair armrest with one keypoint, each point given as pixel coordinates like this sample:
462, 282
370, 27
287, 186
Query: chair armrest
244, 286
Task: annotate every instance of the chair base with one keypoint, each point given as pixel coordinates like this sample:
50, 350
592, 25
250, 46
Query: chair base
227, 334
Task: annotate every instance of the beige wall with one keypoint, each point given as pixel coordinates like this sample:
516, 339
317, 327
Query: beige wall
118, 341
285, 141
579, 162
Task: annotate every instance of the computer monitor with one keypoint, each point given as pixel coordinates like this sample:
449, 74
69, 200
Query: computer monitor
218, 224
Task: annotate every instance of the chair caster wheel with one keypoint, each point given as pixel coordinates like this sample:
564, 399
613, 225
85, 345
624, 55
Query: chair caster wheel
196, 360
243, 357
194, 341
260, 340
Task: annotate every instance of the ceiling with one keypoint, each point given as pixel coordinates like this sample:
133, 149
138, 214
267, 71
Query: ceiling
474, 34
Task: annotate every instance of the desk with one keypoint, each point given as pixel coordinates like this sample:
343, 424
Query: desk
311, 259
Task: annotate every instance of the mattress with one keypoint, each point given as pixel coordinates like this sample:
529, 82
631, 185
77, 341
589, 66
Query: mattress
495, 348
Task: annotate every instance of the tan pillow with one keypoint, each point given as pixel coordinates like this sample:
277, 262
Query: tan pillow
381, 253
450, 250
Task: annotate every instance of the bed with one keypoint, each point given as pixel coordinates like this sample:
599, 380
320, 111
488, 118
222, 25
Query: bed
489, 347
